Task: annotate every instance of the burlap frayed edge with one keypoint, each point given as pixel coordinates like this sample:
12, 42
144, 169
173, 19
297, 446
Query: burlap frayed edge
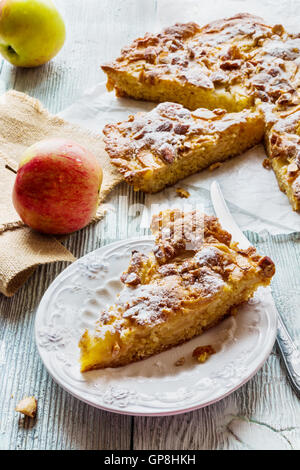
11, 226
37, 105
19, 279
12, 166
100, 214
15, 284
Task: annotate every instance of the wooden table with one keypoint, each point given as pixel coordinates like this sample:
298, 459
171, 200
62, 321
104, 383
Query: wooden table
264, 413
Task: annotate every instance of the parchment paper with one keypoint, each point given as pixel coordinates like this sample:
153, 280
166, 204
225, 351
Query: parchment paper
251, 191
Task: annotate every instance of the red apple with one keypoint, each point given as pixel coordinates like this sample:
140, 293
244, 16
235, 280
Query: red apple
57, 186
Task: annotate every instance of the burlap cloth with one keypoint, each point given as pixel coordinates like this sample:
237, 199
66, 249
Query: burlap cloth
24, 121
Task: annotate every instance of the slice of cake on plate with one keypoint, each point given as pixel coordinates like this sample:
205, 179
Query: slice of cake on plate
156, 149
190, 282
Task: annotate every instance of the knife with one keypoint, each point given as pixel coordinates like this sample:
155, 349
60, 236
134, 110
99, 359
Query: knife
288, 351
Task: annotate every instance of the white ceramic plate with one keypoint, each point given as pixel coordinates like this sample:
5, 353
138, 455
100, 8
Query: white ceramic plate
154, 386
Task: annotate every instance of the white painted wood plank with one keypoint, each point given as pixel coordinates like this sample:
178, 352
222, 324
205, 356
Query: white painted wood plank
263, 412
62, 421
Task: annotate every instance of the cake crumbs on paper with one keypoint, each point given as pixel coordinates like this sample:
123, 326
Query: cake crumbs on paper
27, 406
266, 163
214, 166
203, 353
180, 362
182, 193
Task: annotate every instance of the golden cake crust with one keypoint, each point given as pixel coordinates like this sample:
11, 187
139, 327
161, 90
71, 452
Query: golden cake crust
191, 280
229, 63
155, 149
234, 64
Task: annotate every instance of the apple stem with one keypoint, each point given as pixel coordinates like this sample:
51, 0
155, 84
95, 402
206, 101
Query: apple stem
11, 169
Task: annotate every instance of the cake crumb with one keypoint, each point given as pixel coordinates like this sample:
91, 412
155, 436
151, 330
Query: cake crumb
180, 362
214, 166
182, 193
27, 406
203, 353
266, 163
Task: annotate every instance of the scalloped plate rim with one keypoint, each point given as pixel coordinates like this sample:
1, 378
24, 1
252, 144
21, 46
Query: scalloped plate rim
114, 409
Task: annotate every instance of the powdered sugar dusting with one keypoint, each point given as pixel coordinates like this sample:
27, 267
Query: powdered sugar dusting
169, 129
225, 53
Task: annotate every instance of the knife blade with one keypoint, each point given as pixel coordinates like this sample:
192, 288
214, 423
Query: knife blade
287, 349
225, 217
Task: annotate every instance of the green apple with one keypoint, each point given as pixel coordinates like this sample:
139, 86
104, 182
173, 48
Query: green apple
31, 31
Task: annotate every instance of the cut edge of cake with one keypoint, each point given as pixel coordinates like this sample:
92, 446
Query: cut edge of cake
282, 143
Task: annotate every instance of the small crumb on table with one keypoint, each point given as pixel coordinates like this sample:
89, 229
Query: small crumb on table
182, 193
203, 353
214, 166
27, 406
180, 362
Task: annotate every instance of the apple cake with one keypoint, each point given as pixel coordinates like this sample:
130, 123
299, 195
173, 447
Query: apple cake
192, 279
156, 149
229, 64
236, 68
